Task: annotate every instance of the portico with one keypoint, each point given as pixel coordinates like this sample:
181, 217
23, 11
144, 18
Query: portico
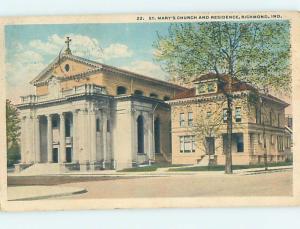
49, 130
89, 116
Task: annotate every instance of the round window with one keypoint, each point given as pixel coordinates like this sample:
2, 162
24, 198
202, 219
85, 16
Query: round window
67, 67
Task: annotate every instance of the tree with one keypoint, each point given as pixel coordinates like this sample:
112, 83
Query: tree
255, 52
207, 125
12, 133
13, 154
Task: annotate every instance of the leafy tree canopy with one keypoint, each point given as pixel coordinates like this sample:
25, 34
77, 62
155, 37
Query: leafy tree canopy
12, 124
255, 52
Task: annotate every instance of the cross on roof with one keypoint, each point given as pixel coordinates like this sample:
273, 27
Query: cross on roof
68, 50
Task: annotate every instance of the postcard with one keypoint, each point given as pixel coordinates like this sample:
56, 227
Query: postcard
150, 111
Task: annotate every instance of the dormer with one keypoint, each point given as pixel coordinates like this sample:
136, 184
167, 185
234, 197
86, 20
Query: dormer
207, 84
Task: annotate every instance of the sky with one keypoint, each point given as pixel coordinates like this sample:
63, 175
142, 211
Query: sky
30, 48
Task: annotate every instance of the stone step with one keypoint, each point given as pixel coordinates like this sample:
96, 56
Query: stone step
44, 168
204, 161
160, 158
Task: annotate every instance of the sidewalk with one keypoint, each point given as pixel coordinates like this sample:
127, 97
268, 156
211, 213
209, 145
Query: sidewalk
41, 192
254, 171
158, 173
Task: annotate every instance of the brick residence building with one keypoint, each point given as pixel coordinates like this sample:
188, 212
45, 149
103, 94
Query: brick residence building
199, 122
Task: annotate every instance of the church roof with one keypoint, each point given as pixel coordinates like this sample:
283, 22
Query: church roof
46, 74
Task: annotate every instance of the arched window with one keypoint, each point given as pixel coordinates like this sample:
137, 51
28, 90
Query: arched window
138, 92
153, 95
121, 90
140, 134
157, 135
166, 98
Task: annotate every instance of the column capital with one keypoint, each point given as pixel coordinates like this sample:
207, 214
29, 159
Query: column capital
93, 112
62, 115
75, 111
82, 111
37, 117
49, 115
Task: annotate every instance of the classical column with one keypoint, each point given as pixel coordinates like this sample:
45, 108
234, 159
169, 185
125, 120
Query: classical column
49, 138
29, 140
37, 139
23, 139
62, 139
93, 136
151, 140
75, 138
104, 135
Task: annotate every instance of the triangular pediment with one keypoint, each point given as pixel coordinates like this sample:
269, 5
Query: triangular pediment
66, 66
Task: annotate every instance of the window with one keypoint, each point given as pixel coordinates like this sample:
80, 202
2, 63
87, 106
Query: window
272, 139
121, 90
280, 143
290, 122
187, 144
208, 114
97, 124
225, 115
258, 116
67, 67
138, 92
54, 123
239, 143
166, 98
287, 143
259, 137
200, 88
210, 87
108, 126
181, 119
193, 144
238, 116
153, 95
190, 118
68, 127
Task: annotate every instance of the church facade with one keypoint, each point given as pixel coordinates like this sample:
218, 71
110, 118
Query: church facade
88, 116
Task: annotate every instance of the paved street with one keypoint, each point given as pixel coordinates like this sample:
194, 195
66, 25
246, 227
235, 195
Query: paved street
265, 184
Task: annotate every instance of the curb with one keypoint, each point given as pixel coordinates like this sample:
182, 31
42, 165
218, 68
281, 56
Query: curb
83, 190
249, 173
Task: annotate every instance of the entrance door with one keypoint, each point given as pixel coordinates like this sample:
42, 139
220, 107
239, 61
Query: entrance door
157, 135
55, 155
69, 154
210, 143
140, 134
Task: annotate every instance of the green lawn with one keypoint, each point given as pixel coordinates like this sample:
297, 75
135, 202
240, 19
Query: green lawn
154, 167
150, 168
234, 167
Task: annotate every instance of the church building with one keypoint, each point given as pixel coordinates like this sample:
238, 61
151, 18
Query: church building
86, 115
